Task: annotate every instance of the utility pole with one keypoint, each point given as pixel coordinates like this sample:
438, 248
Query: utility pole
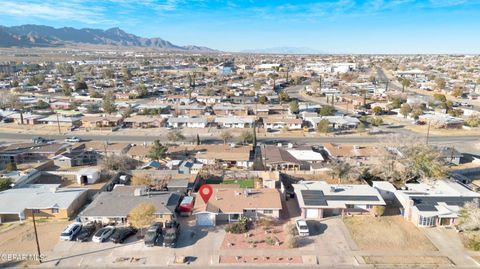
36, 235
428, 131
58, 124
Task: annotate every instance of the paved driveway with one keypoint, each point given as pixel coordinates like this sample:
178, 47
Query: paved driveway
196, 242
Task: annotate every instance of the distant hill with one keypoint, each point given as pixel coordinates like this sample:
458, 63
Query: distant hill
284, 50
45, 36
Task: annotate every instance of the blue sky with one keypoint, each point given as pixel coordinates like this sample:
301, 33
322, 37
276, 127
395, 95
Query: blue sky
333, 26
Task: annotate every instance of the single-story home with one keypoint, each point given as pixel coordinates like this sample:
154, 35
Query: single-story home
114, 206
230, 202
43, 200
318, 199
435, 204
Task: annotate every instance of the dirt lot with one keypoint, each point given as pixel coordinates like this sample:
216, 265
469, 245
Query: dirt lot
390, 233
411, 260
257, 238
21, 239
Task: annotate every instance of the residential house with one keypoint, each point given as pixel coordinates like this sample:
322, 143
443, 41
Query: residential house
114, 207
279, 159
229, 203
278, 123
143, 121
235, 122
94, 122
178, 122
67, 121
29, 152
230, 110
435, 204
43, 200
354, 153
318, 199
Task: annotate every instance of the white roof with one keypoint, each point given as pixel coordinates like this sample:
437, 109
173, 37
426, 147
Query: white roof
305, 155
346, 194
37, 196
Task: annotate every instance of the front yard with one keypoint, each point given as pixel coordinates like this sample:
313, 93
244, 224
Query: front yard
389, 233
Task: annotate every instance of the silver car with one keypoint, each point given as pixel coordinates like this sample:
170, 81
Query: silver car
103, 234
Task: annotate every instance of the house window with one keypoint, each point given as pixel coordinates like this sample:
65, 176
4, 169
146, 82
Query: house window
369, 206
268, 211
426, 221
35, 211
55, 210
350, 206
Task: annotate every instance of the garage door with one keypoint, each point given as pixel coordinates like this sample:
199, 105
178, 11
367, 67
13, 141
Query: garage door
206, 219
311, 213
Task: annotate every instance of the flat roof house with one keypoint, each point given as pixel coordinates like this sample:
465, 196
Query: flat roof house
230, 202
436, 204
318, 199
114, 206
44, 200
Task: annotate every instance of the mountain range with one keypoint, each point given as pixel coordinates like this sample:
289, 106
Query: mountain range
30, 35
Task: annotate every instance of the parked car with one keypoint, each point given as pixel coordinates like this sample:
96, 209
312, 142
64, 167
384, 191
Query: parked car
73, 139
302, 227
39, 140
7, 120
152, 234
121, 234
85, 233
71, 231
170, 233
103, 234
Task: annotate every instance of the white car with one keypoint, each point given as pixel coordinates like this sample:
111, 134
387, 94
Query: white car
103, 234
302, 227
73, 139
69, 233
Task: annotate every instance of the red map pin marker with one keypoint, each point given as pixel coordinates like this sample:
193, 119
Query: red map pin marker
206, 192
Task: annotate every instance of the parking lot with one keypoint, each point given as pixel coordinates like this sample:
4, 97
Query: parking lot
197, 243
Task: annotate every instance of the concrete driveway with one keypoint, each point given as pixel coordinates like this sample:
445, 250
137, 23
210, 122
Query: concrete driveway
198, 243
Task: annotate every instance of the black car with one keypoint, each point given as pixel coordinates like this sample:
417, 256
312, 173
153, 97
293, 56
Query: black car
153, 233
171, 233
121, 234
85, 233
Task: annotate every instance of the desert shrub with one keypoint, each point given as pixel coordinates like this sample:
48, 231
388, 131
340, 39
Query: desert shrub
379, 210
292, 241
473, 245
291, 230
266, 222
239, 227
270, 241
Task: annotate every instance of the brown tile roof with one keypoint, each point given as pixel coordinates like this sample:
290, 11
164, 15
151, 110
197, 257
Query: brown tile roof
218, 152
346, 150
274, 154
232, 199
100, 146
139, 150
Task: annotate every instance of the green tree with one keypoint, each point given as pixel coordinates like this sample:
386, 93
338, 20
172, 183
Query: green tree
126, 73
108, 73
109, 103
457, 91
128, 111
439, 97
327, 110
5, 183
262, 99
473, 121
142, 90
81, 85
36, 80
323, 126
294, 108
396, 102
157, 151
93, 108
66, 90
376, 121
377, 110
405, 84
283, 97
405, 110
